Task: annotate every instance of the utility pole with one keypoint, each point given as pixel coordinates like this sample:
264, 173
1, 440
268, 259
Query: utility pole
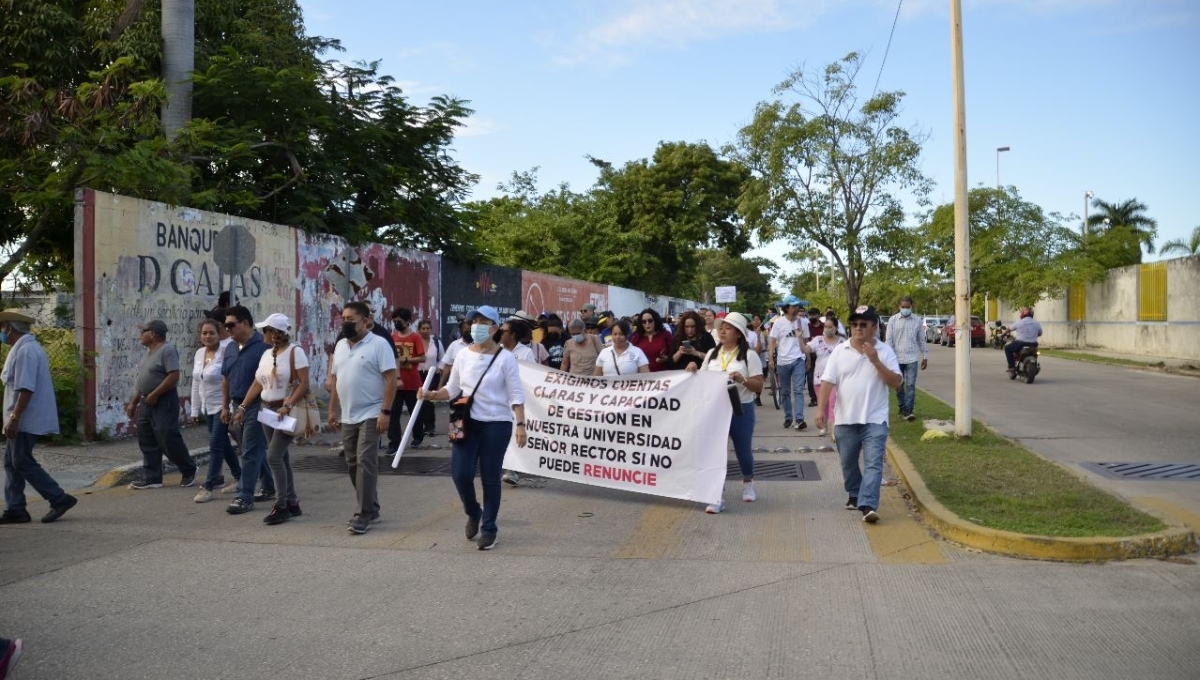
179, 58
962, 236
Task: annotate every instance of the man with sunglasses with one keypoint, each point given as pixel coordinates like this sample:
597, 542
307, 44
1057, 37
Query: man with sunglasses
240, 363
864, 370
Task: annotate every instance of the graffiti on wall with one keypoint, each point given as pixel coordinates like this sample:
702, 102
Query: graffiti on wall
154, 261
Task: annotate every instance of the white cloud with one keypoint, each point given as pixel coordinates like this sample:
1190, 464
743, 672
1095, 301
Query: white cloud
478, 127
680, 22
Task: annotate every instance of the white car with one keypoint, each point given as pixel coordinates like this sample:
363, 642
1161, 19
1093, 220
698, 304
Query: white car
933, 327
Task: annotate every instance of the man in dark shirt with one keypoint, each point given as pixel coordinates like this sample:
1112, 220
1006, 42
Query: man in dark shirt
241, 362
155, 406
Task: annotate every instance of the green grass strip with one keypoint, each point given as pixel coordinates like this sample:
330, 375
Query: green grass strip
993, 482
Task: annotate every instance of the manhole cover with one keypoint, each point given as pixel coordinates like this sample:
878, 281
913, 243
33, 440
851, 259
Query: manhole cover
791, 471
1184, 472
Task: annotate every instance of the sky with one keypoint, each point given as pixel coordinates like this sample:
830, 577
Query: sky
1089, 95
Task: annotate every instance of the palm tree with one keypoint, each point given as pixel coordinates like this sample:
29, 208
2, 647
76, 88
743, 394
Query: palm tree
1189, 247
1131, 215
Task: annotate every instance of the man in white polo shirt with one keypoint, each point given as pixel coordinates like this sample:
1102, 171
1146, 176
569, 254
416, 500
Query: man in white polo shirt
363, 385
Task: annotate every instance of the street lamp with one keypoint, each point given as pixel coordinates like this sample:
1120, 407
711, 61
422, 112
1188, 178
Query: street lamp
998, 150
1087, 196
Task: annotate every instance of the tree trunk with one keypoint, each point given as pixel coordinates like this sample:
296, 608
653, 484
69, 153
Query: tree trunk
179, 51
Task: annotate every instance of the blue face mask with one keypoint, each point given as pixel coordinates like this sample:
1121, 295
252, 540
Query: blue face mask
578, 338
906, 311
3, 337
480, 332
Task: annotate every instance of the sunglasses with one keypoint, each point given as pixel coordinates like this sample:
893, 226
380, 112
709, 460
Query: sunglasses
647, 320
230, 326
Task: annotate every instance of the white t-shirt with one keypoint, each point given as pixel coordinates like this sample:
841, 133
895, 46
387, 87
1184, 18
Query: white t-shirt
523, 353
802, 324
821, 350
723, 363
625, 363
433, 354
359, 371
787, 340
501, 387
275, 373
862, 395
452, 351
206, 381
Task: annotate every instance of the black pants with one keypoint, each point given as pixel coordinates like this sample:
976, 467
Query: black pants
426, 424
396, 427
812, 367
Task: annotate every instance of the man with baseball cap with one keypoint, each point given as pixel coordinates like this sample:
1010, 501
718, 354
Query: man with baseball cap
786, 358
155, 406
30, 411
864, 370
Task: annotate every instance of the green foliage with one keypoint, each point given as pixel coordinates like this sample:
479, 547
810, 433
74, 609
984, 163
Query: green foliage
277, 133
751, 276
1119, 231
66, 373
1017, 251
824, 167
1182, 247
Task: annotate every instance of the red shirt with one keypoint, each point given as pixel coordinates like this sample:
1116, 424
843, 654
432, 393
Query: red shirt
655, 347
409, 346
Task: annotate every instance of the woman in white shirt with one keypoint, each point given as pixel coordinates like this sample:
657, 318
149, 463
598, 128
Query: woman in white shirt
822, 347
489, 375
734, 357
621, 357
280, 391
206, 401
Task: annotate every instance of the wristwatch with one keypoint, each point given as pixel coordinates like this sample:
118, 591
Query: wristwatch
385, 411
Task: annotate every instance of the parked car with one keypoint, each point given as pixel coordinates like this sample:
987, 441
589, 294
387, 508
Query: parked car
933, 327
978, 333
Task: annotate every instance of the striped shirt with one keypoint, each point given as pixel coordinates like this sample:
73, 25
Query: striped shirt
907, 337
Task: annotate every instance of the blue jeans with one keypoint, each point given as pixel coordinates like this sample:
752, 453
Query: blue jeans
791, 384
158, 433
254, 452
20, 467
483, 446
220, 449
906, 393
871, 440
741, 430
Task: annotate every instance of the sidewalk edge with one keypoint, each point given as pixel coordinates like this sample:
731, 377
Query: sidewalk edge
124, 474
1175, 540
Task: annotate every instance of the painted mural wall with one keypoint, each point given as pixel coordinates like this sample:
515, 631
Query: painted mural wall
144, 260
557, 295
465, 288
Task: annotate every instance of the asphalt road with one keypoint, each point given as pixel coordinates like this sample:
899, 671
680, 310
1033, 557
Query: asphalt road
1077, 412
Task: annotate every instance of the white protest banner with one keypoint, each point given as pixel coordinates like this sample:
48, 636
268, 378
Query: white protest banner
726, 294
661, 433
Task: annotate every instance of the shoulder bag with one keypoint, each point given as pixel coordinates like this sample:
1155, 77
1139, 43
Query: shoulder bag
306, 413
460, 410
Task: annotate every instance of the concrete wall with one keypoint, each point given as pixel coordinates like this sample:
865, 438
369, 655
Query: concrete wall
1111, 322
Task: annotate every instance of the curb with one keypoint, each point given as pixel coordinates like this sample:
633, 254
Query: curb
1175, 540
124, 474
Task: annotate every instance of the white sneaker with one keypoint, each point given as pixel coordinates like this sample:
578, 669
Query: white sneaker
229, 488
715, 509
748, 495
203, 495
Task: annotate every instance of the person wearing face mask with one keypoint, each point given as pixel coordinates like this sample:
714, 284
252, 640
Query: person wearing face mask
822, 346
363, 375
490, 377
554, 341
580, 352
410, 352
906, 336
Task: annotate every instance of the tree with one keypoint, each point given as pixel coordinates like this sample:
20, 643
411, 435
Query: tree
825, 165
1128, 225
277, 134
752, 277
1017, 251
1189, 247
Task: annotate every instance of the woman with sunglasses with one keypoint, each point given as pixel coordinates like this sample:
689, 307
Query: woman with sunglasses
655, 341
744, 370
692, 342
621, 357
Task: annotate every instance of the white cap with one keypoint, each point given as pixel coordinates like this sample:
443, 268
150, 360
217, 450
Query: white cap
279, 322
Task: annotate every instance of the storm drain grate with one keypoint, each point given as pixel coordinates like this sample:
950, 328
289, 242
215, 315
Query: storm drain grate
1184, 472
409, 465
792, 471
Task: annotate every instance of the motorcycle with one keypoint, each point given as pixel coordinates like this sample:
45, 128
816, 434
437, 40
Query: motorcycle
1027, 365
1000, 336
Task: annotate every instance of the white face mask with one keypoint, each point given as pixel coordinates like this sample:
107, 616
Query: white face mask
480, 332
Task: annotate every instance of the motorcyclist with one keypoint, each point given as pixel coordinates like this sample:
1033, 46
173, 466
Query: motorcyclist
1025, 332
